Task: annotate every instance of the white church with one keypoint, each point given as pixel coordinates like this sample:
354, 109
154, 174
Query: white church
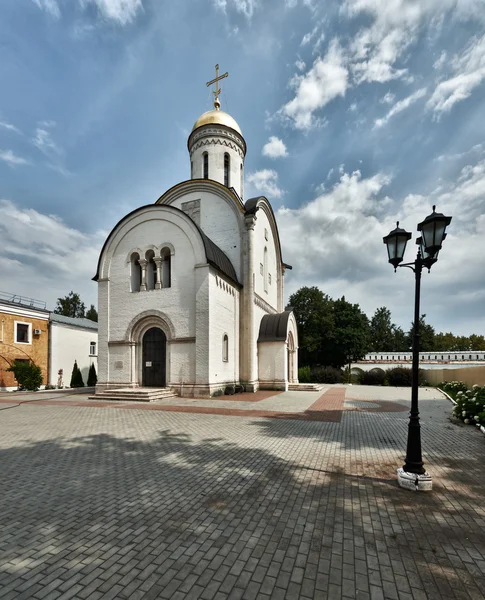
191, 288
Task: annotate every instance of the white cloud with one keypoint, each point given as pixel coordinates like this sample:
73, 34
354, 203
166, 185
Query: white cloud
122, 11
307, 38
300, 65
441, 61
388, 98
327, 79
275, 148
12, 159
400, 106
40, 252
396, 25
50, 6
43, 141
264, 182
343, 251
10, 127
245, 7
467, 72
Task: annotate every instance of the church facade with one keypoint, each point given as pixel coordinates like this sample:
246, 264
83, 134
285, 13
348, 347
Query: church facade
191, 288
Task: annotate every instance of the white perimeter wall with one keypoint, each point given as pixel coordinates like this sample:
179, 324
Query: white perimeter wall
68, 344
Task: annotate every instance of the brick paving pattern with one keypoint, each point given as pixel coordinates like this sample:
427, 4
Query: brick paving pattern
103, 502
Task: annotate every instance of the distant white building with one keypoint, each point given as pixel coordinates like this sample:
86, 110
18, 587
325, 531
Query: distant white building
71, 340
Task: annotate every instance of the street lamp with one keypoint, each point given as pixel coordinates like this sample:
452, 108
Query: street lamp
412, 475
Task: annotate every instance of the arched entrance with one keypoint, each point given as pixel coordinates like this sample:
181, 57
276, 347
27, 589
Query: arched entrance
154, 365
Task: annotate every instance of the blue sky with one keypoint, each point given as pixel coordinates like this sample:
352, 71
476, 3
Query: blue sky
355, 113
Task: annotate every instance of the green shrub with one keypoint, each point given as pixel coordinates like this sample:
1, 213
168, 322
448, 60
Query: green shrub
373, 377
27, 374
92, 377
327, 375
76, 377
305, 375
470, 405
453, 387
402, 377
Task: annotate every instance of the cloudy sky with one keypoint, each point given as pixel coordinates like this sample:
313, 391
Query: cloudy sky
356, 114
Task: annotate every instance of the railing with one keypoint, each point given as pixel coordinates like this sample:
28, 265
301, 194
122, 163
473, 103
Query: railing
23, 300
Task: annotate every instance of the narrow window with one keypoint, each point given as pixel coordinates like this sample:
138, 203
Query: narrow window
269, 281
241, 169
225, 348
151, 276
92, 349
135, 272
227, 165
22, 333
166, 268
261, 268
191, 169
206, 165
266, 270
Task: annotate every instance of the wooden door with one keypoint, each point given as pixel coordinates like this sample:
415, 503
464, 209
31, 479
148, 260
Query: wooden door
154, 358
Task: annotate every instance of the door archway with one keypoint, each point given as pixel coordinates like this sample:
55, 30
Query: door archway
154, 355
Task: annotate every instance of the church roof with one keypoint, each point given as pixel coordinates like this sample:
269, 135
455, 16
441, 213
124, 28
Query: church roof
214, 255
274, 328
217, 117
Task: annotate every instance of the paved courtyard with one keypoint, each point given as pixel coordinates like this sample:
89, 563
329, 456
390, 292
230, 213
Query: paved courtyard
272, 496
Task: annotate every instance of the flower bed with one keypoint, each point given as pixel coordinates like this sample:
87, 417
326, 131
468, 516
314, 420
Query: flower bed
470, 404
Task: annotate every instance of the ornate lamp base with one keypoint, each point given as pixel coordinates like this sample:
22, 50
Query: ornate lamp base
416, 483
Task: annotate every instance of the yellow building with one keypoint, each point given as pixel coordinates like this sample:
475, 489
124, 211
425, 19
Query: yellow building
24, 335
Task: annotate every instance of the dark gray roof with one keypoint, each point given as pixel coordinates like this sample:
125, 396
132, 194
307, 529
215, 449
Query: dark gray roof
84, 323
216, 257
273, 328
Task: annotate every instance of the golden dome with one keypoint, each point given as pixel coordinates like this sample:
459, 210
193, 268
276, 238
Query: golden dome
218, 117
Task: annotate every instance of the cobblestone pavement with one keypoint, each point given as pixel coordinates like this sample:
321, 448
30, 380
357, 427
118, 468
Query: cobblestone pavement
103, 502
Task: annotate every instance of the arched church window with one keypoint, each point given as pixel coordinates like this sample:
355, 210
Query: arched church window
265, 265
135, 272
227, 166
205, 158
166, 268
225, 348
151, 276
241, 169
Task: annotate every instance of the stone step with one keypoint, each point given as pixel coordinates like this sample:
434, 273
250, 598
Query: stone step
135, 394
305, 387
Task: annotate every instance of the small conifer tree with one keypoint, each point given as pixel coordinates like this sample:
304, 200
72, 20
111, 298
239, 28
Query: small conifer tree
76, 377
92, 377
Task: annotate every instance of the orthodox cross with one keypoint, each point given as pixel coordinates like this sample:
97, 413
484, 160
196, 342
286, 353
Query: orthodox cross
217, 91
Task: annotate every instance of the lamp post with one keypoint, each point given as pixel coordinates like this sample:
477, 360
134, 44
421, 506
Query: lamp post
412, 475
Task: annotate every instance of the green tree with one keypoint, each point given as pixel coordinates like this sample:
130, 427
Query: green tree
400, 339
27, 374
92, 377
76, 377
313, 312
351, 333
381, 331
426, 333
477, 342
92, 313
70, 306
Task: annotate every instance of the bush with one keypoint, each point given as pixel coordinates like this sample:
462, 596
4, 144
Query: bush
402, 377
49, 386
453, 387
373, 377
92, 377
470, 405
305, 375
27, 374
76, 377
327, 375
